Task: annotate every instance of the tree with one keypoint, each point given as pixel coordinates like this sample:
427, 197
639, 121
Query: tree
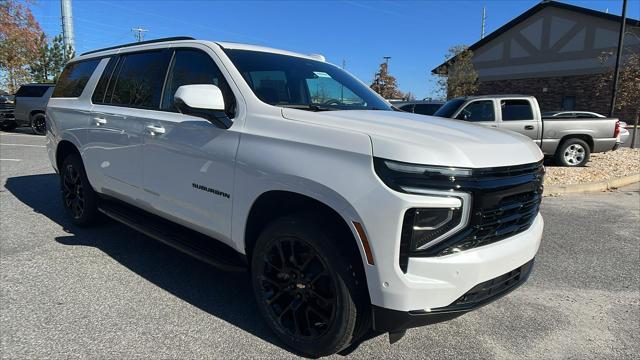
50, 61
19, 36
458, 77
628, 94
385, 84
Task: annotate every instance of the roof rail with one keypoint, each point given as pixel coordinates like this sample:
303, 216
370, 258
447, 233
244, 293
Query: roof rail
140, 43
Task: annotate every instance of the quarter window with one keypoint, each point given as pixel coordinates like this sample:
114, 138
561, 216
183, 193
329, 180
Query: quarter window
478, 111
516, 110
140, 79
195, 67
74, 78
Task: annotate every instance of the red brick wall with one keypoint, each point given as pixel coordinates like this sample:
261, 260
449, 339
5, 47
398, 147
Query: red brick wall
583, 87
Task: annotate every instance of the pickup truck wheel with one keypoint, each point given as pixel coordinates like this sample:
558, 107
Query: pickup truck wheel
78, 197
304, 288
38, 124
573, 152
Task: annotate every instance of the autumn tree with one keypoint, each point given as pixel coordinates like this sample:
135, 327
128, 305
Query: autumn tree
385, 84
19, 36
458, 77
628, 94
51, 59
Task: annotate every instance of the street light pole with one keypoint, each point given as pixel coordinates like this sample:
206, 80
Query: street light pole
616, 72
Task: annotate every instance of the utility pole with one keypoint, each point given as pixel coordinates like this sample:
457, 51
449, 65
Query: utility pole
616, 72
484, 20
386, 59
67, 26
139, 33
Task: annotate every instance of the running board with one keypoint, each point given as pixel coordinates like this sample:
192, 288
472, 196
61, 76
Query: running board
190, 242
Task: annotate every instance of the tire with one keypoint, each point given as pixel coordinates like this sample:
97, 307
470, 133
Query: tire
573, 153
306, 289
38, 124
78, 197
8, 125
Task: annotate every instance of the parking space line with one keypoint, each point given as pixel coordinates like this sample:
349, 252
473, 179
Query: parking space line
29, 145
10, 160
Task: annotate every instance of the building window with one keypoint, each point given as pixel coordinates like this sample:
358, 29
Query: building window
568, 103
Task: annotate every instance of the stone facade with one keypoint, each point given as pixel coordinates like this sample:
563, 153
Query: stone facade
552, 92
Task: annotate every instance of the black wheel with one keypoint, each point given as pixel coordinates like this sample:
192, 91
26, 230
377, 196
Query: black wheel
573, 152
8, 125
305, 288
38, 124
78, 197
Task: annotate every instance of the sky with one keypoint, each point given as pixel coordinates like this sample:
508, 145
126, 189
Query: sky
415, 34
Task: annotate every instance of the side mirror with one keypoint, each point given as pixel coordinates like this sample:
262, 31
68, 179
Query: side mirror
202, 100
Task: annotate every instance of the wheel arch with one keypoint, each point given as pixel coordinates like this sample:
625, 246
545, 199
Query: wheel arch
64, 148
584, 137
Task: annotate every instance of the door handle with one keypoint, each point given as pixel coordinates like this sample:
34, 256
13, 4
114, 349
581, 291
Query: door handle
528, 127
100, 121
153, 130
495, 126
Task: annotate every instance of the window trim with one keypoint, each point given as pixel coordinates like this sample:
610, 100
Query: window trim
120, 57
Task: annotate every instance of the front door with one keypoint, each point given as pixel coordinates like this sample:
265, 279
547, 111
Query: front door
188, 162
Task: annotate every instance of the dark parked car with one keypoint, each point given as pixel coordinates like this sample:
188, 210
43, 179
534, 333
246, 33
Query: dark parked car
424, 107
30, 103
7, 119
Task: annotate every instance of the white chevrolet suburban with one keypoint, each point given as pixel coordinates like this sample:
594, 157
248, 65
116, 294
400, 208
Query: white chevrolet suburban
353, 219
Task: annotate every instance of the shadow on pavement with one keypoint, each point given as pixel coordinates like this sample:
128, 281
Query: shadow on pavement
225, 295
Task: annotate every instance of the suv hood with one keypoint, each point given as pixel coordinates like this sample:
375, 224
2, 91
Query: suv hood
427, 139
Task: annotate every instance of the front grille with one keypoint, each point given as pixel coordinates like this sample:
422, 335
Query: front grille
504, 202
490, 290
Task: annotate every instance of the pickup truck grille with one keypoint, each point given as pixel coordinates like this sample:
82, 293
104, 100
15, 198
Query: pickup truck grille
504, 202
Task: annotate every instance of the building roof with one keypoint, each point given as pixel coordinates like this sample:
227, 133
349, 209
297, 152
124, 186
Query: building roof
540, 6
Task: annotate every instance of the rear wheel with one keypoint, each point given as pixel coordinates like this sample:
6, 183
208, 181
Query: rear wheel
305, 287
78, 197
38, 124
573, 152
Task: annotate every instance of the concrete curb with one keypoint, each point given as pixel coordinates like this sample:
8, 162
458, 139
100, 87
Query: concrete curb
591, 187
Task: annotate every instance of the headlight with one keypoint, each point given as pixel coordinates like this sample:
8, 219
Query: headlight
410, 178
431, 224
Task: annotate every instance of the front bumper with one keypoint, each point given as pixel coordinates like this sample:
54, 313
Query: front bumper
392, 321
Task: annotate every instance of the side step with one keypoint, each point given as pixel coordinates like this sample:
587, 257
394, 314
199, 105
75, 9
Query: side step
190, 242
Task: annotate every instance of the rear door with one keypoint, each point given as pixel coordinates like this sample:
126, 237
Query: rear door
127, 97
188, 162
480, 112
518, 115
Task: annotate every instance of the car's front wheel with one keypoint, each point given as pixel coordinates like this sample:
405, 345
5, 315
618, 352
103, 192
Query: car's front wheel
78, 197
306, 288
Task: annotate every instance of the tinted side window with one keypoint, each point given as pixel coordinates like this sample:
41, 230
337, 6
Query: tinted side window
74, 78
101, 88
426, 109
31, 91
478, 111
196, 67
516, 110
140, 79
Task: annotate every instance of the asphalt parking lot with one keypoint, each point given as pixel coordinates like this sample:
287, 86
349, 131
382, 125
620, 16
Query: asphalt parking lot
109, 292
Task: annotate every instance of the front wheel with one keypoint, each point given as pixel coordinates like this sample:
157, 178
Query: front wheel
78, 197
304, 287
38, 124
573, 153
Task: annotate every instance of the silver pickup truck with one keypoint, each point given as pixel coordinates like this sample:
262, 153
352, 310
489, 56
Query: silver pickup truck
570, 141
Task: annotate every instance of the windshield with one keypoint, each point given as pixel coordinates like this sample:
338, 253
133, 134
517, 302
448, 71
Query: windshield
449, 108
290, 81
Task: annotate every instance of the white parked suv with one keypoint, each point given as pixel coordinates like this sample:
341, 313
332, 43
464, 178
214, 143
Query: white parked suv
352, 218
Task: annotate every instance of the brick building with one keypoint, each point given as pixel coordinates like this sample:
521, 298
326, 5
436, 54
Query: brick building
552, 52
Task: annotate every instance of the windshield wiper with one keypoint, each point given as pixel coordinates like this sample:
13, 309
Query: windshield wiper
310, 107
